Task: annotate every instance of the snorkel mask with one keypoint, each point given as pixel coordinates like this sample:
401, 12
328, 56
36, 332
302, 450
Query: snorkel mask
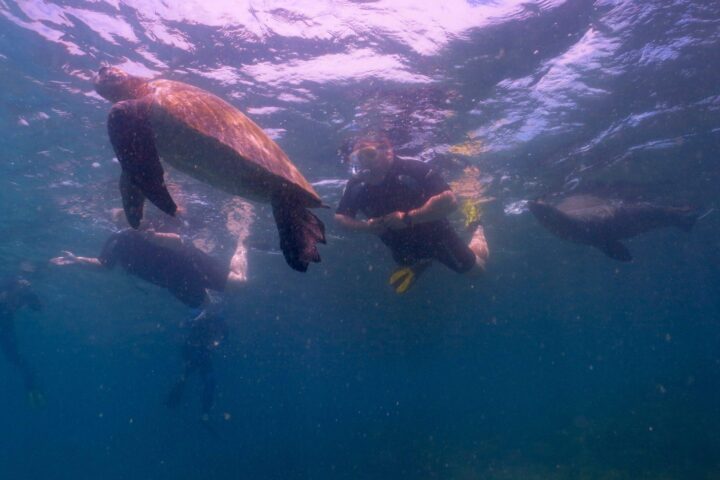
367, 156
359, 159
369, 161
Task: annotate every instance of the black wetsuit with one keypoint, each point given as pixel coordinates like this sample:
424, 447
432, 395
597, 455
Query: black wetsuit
186, 272
408, 185
205, 335
13, 296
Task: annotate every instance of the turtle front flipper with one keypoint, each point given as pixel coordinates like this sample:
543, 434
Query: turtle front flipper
142, 174
300, 232
133, 200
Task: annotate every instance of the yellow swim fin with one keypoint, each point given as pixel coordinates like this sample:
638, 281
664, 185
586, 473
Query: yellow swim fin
404, 277
401, 279
472, 211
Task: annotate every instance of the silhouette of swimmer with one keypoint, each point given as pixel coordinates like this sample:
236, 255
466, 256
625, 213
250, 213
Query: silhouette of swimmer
162, 259
16, 293
205, 334
190, 274
602, 223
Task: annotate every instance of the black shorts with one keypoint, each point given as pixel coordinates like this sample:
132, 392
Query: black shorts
442, 244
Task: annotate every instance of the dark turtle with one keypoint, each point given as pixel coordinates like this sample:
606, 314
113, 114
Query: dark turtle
209, 139
602, 223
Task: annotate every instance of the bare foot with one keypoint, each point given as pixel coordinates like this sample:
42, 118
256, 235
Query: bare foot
478, 244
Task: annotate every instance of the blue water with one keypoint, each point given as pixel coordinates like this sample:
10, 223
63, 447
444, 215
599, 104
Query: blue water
557, 364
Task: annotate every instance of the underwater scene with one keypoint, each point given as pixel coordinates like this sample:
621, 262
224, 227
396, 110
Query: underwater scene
360, 239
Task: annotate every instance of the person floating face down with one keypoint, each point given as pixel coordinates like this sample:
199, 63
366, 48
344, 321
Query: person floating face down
406, 203
161, 259
188, 273
16, 293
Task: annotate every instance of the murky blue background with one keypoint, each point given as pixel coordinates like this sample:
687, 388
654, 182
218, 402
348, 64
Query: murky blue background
560, 363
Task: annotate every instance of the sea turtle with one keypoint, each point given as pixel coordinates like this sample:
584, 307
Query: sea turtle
602, 223
209, 139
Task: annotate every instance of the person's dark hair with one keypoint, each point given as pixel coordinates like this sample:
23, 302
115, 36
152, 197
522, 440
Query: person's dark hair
372, 138
367, 138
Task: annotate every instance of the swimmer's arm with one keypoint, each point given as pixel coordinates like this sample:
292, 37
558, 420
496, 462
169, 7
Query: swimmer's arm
172, 241
436, 208
363, 226
69, 258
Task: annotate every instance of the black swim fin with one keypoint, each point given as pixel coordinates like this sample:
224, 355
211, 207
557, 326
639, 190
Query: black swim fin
300, 232
615, 250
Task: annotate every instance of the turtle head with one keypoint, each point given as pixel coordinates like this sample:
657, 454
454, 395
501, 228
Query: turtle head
540, 209
549, 216
117, 85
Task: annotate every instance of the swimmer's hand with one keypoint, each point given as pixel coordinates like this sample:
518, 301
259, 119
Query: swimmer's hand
70, 258
395, 221
376, 225
371, 225
67, 258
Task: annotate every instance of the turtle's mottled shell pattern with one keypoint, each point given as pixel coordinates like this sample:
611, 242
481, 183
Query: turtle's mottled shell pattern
213, 141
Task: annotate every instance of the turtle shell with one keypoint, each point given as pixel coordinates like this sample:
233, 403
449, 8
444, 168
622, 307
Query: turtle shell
209, 139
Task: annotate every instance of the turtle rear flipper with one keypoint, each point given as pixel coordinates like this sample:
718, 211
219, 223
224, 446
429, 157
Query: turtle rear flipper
300, 232
142, 174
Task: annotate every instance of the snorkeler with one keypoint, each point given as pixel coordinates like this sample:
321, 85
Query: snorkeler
205, 334
190, 275
15, 294
406, 203
163, 259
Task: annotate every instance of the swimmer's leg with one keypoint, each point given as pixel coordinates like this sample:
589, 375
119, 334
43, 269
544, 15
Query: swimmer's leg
479, 246
8, 345
207, 377
452, 252
240, 217
175, 396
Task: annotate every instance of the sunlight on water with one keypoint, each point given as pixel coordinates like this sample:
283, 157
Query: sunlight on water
570, 130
